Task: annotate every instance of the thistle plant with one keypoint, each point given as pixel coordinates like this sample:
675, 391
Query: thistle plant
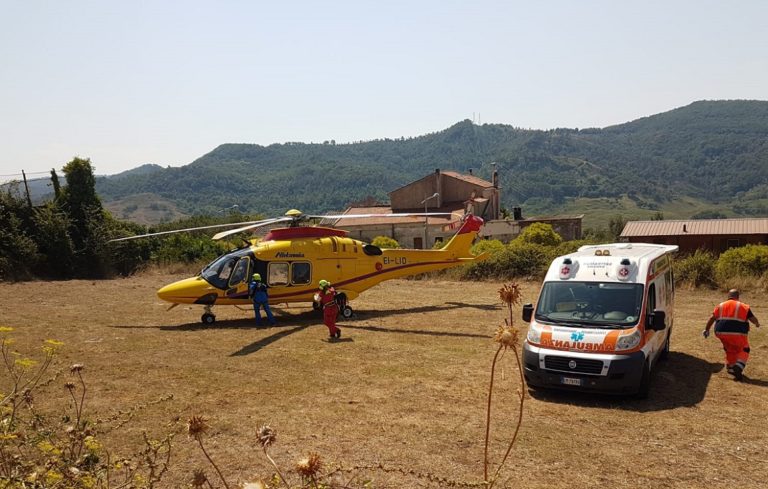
38, 452
508, 338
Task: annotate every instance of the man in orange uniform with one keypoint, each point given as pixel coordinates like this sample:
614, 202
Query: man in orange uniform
330, 308
731, 319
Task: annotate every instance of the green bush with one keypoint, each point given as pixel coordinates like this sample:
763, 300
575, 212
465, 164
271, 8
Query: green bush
492, 246
568, 247
518, 259
540, 233
750, 260
697, 269
385, 242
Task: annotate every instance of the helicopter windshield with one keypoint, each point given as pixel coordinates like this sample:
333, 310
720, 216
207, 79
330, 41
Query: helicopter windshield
218, 272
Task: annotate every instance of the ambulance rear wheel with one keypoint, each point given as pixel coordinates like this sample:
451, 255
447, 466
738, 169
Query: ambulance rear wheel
208, 318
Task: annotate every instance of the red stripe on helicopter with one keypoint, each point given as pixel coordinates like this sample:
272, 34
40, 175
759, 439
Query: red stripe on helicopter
362, 277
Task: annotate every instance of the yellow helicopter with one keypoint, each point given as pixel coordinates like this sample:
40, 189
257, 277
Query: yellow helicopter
291, 260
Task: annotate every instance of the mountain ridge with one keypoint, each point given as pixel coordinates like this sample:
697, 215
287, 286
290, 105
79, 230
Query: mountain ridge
713, 152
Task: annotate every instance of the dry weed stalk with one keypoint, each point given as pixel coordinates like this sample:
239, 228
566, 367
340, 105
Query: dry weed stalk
197, 426
508, 337
38, 452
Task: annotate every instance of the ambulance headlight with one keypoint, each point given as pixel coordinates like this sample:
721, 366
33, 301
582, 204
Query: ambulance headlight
629, 341
534, 335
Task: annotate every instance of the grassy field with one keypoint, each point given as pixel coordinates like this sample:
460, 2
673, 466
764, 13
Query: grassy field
406, 387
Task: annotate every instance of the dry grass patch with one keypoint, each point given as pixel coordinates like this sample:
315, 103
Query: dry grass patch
405, 387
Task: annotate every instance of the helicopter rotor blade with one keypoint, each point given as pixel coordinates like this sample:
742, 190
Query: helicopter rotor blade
266, 222
398, 214
214, 226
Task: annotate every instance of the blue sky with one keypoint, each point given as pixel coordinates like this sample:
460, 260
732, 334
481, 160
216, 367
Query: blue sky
128, 83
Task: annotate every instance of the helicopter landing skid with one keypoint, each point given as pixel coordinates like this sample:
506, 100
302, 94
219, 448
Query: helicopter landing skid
208, 316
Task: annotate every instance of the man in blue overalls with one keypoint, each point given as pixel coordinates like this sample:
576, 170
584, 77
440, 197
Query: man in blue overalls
257, 290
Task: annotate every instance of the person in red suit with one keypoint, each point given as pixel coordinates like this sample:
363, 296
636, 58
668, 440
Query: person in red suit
330, 307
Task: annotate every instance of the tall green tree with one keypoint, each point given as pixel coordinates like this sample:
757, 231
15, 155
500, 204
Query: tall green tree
86, 217
51, 232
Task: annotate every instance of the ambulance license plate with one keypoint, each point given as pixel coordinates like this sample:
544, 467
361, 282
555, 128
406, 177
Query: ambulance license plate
570, 381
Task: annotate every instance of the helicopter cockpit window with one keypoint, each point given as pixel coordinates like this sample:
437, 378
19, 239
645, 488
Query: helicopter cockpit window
301, 273
218, 272
241, 271
371, 250
278, 274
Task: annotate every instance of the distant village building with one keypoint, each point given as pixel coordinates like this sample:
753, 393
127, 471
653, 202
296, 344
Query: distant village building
447, 192
716, 235
568, 227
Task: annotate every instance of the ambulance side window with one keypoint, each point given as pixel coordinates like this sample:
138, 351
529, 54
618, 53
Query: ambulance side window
651, 299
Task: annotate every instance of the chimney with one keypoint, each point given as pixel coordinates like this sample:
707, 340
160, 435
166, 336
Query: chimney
685, 228
439, 188
495, 180
470, 171
517, 213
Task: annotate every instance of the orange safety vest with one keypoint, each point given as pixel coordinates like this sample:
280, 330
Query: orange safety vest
732, 310
731, 317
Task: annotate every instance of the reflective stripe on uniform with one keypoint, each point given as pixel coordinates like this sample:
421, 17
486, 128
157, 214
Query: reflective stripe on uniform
731, 310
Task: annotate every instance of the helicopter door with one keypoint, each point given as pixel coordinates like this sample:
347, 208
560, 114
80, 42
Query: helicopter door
238, 281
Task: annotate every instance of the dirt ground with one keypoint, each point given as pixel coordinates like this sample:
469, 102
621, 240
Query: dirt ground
405, 387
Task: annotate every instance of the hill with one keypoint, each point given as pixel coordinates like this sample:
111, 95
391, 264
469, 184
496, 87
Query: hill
707, 157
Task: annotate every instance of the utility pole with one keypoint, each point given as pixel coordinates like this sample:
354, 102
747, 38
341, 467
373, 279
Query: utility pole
29, 199
426, 218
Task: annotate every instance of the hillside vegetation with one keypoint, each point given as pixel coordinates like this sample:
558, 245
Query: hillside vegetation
710, 157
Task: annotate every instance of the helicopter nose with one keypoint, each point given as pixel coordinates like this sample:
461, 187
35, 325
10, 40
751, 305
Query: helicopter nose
185, 291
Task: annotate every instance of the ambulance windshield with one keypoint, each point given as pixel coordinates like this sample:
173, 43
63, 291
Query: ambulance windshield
598, 304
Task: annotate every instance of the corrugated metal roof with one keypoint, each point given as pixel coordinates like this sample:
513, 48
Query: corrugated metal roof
458, 211
696, 227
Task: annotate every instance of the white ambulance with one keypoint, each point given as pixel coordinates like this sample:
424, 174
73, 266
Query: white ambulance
603, 318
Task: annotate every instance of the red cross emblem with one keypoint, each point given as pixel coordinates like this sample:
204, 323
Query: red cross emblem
623, 272
565, 271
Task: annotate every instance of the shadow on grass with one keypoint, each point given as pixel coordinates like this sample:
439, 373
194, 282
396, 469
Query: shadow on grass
757, 382
680, 381
447, 306
381, 329
258, 345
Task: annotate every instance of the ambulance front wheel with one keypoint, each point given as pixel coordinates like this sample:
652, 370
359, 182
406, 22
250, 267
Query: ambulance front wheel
346, 312
645, 382
208, 318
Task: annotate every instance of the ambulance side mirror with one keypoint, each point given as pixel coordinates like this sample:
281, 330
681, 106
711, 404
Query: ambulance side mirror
657, 321
527, 312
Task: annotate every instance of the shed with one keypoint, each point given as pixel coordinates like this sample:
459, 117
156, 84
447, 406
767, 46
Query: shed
715, 235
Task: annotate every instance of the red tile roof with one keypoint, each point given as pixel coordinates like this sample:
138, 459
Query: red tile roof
696, 227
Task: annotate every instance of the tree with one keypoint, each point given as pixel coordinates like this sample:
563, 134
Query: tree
616, 226
385, 242
86, 217
18, 251
540, 233
56, 185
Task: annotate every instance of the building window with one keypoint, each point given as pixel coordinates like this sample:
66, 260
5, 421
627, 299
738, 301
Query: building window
732, 243
418, 244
